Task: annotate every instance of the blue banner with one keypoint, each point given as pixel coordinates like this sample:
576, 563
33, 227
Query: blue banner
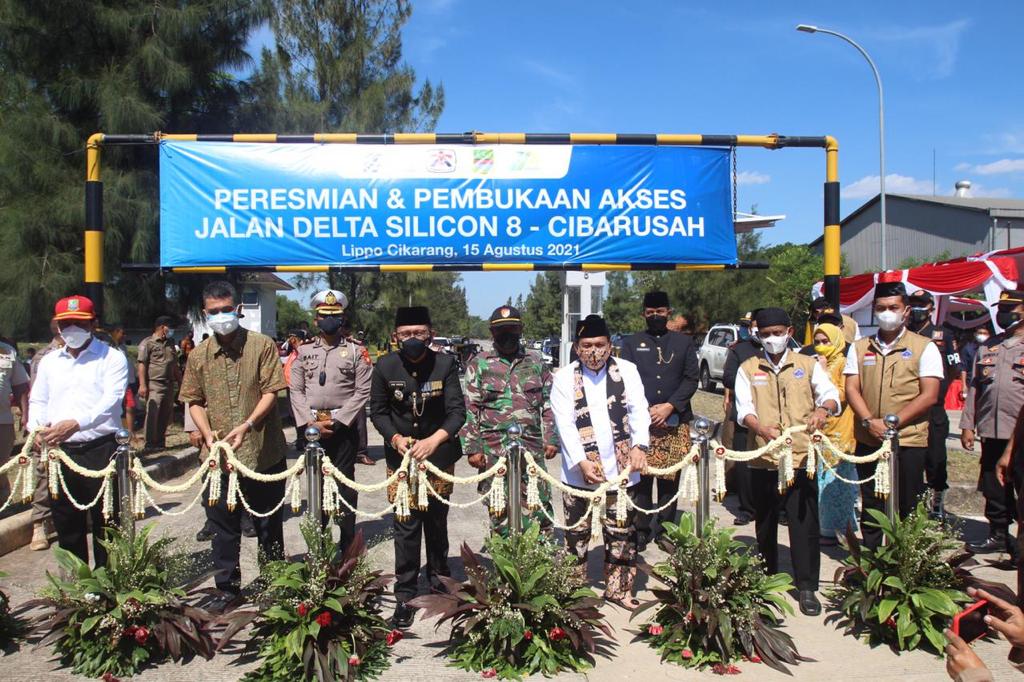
259, 204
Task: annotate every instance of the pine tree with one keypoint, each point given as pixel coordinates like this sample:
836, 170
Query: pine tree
622, 305
543, 306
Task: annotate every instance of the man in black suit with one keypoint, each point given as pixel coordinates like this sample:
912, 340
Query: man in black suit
416, 404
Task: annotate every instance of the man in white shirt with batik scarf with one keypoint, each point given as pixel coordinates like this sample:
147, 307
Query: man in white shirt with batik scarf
602, 421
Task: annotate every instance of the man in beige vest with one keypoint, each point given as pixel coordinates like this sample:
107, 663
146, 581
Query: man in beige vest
776, 389
893, 372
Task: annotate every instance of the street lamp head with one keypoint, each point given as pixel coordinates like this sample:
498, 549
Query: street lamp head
807, 28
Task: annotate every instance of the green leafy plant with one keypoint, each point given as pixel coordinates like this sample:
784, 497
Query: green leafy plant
718, 605
904, 592
134, 611
318, 619
11, 627
529, 611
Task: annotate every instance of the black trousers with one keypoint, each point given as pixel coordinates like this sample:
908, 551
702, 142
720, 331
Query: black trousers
910, 466
360, 426
430, 525
648, 526
1000, 505
227, 530
801, 504
935, 457
72, 525
341, 449
741, 470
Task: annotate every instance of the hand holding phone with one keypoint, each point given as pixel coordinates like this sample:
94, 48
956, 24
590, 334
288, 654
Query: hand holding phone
970, 623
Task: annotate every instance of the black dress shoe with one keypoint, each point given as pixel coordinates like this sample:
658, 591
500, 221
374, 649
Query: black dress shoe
248, 528
994, 543
403, 616
205, 533
809, 604
742, 519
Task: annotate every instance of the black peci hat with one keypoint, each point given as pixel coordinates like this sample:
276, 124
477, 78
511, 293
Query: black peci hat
592, 326
656, 299
414, 315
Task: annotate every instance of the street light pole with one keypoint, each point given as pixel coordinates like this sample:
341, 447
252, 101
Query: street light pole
881, 121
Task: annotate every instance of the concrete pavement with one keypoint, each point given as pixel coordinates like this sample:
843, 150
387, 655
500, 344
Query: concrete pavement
837, 657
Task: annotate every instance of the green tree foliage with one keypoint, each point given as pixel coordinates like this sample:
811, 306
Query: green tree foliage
291, 315
908, 263
542, 308
73, 68
622, 304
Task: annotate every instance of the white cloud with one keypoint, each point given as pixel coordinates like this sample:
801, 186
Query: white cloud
895, 183
549, 72
752, 178
994, 192
930, 50
995, 167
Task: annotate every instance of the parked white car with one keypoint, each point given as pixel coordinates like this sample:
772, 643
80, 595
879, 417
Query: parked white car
711, 354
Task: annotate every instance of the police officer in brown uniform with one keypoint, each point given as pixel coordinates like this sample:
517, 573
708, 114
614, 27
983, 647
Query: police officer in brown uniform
330, 386
994, 399
158, 372
893, 372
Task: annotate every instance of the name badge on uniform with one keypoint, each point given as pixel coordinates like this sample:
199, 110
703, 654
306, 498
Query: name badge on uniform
344, 352
759, 379
6, 362
799, 374
870, 359
398, 389
907, 354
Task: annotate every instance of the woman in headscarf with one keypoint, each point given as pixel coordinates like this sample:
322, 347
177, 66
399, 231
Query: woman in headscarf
836, 499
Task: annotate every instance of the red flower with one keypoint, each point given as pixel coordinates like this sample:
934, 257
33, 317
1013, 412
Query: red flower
353, 660
141, 635
890, 622
490, 672
129, 631
324, 619
655, 629
718, 668
302, 609
527, 635
755, 659
687, 654
109, 677
394, 637
690, 617
556, 634
732, 670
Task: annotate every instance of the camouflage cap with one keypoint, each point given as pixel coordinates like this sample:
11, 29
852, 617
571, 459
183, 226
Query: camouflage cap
505, 315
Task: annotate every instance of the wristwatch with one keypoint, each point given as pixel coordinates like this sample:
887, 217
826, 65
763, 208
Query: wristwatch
643, 448
865, 423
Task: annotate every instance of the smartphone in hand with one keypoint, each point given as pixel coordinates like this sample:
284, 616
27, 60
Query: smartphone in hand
970, 623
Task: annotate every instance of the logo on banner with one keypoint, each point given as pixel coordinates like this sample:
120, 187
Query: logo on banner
441, 161
483, 161
371, 164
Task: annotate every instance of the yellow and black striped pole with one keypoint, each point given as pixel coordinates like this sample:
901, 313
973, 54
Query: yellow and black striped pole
94, 195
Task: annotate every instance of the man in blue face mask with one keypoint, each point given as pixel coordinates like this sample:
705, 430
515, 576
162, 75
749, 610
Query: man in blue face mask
329, 387
417, 405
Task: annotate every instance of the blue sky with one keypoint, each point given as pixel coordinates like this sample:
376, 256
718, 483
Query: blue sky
951, 73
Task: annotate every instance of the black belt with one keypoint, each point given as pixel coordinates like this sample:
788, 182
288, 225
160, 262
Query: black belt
87, 445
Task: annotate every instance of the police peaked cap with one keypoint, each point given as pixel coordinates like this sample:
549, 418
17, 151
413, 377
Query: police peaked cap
413, 315
505, 315
330, 302
592, 326
921, 298
656, 299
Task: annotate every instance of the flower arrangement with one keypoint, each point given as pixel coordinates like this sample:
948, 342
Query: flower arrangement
904, 592
718, 607
318, 619
113, 620
529, 612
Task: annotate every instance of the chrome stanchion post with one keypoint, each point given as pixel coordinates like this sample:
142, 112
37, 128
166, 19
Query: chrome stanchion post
892, 504
514, 478
122, 465
314, 482
702, 426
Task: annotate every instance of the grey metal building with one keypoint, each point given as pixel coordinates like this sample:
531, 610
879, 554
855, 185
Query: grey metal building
923, 227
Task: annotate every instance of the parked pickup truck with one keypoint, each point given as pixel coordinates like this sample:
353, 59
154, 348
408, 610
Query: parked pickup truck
711, 354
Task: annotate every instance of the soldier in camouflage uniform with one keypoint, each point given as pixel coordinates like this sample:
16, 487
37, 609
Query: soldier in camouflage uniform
504, 386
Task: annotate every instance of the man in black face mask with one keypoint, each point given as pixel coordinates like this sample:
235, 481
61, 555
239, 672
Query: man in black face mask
922, 307
329, 387
416, 404
667, 362
505, 386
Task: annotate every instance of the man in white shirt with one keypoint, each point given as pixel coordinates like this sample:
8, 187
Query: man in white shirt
76, 398
893, 372
778, 389
602, 420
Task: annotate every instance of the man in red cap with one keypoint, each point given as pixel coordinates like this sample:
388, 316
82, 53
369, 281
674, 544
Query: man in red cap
76, 400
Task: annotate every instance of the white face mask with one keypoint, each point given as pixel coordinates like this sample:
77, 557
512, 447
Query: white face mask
889, 320
775, 344
223, 323
74, 336
981, 338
